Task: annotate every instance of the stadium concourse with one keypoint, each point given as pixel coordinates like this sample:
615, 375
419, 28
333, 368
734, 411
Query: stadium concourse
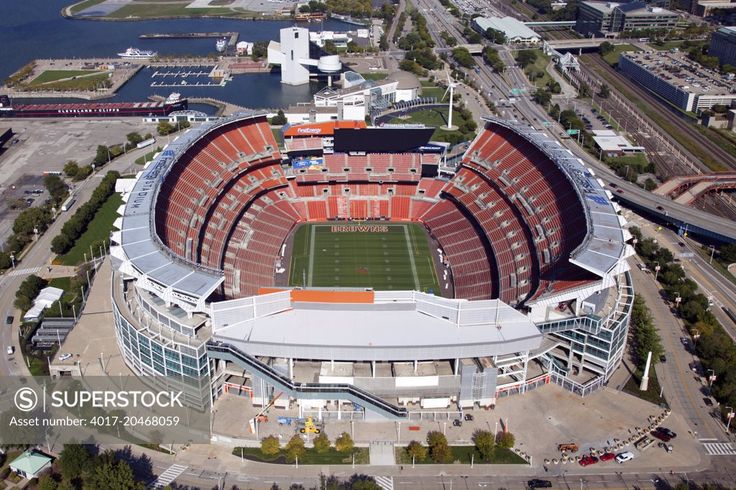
530, 241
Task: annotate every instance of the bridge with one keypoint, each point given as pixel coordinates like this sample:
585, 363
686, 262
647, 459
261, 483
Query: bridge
472, 48
586, 43
687, 188
555, 24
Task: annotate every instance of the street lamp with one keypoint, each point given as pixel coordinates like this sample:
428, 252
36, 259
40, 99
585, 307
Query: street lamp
12, 258
729, 416
712, 250
711, 378
656, 271
696, 334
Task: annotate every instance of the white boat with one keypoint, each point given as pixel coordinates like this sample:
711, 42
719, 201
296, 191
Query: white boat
221, 45
137, 54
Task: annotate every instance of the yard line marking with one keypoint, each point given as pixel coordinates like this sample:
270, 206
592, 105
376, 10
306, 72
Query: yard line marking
311, 255
411, 258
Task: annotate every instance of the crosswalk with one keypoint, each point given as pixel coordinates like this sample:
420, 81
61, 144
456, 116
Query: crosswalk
385, 482
719, 448
168, 476
23, 272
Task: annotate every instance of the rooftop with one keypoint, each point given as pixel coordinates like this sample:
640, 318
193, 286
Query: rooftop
513, 28
608, 140
31, 462
680, 71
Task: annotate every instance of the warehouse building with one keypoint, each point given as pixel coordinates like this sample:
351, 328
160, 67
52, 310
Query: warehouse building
679, 80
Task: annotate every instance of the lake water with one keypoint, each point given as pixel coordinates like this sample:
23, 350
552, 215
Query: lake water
35, 29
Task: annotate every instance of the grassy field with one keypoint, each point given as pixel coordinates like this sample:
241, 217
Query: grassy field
144, 10
397, 259
462, 455
98, 230
331, 456
84, 5
539, 66
374, 76
89, 81
612, 57
653, 388
675, 44
429, 89
54, 75
435, 118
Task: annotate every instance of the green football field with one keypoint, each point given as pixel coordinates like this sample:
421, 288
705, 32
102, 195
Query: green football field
348, 255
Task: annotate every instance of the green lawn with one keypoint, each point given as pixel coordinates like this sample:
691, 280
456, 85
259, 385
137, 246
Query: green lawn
675, 44
374, 76
147, 157
464, 454
84, 5
167, 10
397, 259
435, 118
89, 82
97, 231
612, 57
653, 389
331, 456
638, 161
430, 89
54, 75
539, 66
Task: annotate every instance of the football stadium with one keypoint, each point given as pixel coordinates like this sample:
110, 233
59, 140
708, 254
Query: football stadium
360, 269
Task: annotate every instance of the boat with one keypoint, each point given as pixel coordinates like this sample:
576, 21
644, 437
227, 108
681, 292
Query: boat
221, 45
349, 20
137, 54
94, 109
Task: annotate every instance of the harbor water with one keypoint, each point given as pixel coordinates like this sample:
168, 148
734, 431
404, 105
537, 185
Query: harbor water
35, 29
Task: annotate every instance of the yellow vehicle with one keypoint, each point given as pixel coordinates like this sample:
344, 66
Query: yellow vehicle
310, 427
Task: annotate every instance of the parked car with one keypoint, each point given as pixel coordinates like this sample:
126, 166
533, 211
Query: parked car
10, 350
624, 457
620, 191
662, 358
665, 430
661, 436
708, 402
588, 460
9, 320
468, 417
65, 356
457, 423
537, 483
607, 456
666, 447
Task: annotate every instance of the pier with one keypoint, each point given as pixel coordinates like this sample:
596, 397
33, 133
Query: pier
233, 36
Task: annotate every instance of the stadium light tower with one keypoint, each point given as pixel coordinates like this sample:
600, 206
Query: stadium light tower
451, 89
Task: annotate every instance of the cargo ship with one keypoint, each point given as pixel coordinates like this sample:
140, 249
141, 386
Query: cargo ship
93, 109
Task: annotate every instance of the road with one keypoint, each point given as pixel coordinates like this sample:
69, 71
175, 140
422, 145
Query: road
40, 255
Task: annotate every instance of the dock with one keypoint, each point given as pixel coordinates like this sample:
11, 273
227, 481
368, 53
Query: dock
233, 36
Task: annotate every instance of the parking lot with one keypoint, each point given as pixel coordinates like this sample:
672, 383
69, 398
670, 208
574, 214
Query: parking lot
45, 146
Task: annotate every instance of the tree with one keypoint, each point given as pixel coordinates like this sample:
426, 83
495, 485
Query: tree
279, 119
330, 47
439, 449
416, 451
463, 57
542, 97
321, 443
270, 445
484, 442
164, 128
295, 447
606, 48
102, 156
344, 443
113, 475
728, 253
526, 57
46, 482
134, 138
604, 92
506, 439
362, 482
71, 168
495, 36
56, 187
73, 461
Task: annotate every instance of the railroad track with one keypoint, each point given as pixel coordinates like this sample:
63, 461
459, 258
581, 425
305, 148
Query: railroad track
723, 156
